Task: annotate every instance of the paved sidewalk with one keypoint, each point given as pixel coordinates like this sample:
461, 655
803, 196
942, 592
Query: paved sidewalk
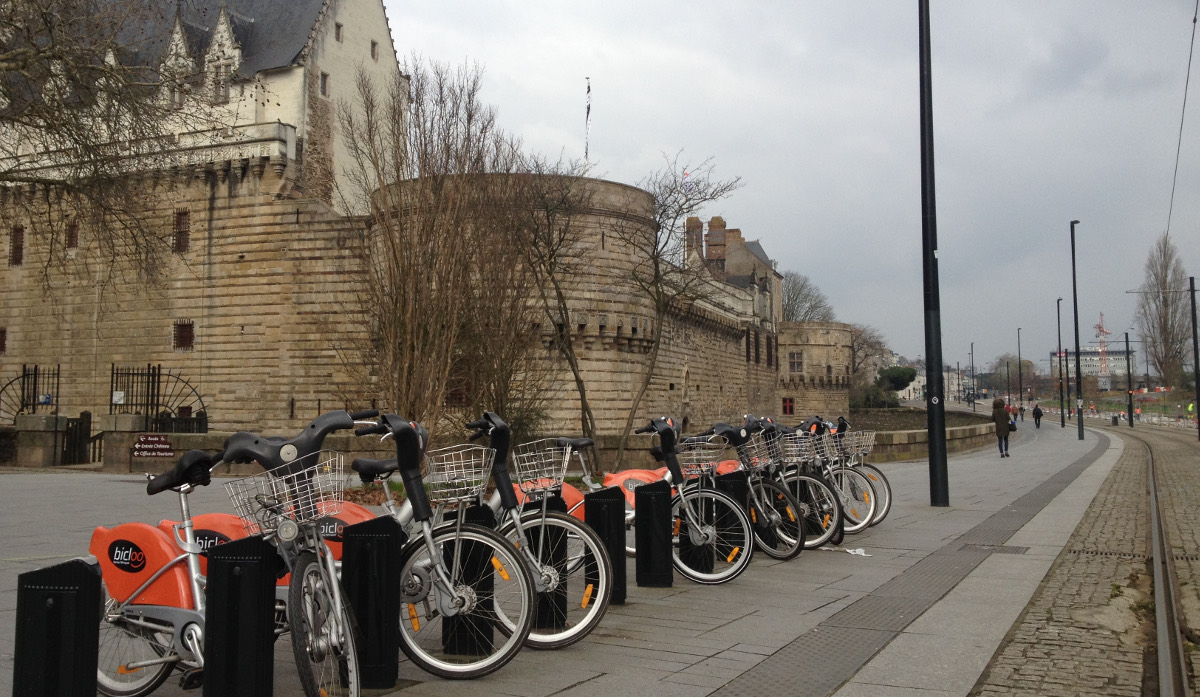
922, 614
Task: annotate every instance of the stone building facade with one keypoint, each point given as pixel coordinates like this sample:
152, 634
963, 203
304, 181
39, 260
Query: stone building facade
259, 270
814, 374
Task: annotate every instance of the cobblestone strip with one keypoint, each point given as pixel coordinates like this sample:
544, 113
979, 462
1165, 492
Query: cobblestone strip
1177, 455
1083, 631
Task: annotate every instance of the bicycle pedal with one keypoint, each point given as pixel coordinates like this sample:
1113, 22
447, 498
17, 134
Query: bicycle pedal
191, 679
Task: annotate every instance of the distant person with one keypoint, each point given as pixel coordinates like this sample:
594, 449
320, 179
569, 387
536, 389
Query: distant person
1037, 416
1137, 413
1021, 411
1001, 418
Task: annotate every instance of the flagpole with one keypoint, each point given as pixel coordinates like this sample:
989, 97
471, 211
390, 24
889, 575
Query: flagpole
587, 121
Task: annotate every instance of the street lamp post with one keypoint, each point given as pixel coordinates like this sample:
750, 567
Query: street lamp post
1128, 382
1020, 382
1075, 301
1008, 381
1195, 354
1062, 410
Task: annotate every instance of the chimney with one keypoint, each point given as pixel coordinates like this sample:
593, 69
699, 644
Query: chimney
715, 238
694, 236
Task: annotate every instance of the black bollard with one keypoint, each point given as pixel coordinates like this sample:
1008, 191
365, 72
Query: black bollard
472, 635
653, 535
371, 577
239, 619
604, 512
57, 631
550, 609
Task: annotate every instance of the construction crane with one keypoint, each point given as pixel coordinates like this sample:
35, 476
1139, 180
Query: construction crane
1101, 333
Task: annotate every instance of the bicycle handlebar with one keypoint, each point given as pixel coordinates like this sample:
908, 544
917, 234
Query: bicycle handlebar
364, 414
371, 430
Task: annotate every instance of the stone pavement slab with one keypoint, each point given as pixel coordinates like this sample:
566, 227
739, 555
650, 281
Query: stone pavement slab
792, 620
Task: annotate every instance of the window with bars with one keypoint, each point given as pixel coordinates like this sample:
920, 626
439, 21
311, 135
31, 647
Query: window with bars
184, 335
182, 230
72, 234
221, 75
796, 362
16, 246
789, 406
3, 339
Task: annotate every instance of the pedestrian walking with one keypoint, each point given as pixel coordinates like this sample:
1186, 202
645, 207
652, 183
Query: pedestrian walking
1001, 417
1021, 411
1037, 416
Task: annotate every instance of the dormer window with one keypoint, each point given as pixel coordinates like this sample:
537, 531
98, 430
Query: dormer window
175, 95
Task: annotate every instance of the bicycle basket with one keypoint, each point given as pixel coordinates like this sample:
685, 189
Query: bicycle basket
540, 465
700, 458
797, 448
864, 443
302, 494
833, 446
457, 473
757, 452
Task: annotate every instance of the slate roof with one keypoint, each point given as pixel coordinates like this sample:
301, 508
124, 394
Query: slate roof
272, 33
756, 249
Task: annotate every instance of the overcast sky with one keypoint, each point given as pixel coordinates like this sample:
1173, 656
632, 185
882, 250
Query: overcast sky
1044, 112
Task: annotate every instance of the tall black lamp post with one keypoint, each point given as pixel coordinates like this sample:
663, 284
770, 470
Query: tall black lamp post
1020, 382
1128, 381
1075, 301
974, 392
1062, 410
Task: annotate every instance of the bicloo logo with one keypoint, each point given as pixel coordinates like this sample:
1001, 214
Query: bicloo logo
127, 556
207, 539
331, 529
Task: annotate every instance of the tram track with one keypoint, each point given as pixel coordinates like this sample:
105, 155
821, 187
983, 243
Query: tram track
1167, 450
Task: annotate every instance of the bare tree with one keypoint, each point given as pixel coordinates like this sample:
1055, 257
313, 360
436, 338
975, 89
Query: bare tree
555, 199
868, 348
441, 283
803, 301
659, 269
1164, 312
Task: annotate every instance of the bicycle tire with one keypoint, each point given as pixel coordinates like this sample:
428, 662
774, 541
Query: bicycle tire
883, 491
783, 539
322, 642
730, 544
857, 497
464, 646
578, 574
821, 507
122, 644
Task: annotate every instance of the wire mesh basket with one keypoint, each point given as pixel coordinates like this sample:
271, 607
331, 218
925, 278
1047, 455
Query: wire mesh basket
834, 446
540, 465
797, 448
863, 442
701, 457
291, 491
757, 451
457, 473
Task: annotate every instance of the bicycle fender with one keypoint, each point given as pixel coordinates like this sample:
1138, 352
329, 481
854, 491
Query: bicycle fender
130, 554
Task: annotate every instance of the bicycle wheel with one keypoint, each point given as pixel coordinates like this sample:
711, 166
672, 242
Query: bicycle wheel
121, 645
857, 497
883, 491
322, 641
576, 574
720, 549
778, 531
820, 505
487, 620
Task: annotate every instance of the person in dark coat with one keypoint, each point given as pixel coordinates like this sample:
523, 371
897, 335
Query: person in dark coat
1037, 416
1001, 417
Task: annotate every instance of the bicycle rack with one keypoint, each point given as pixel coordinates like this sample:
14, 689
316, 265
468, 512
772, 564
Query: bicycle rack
370, 577
653, 535
57, 634
604, 512
239, 619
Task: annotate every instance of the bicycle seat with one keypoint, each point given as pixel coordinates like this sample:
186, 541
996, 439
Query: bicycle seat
193, 468
369, 469
574, 443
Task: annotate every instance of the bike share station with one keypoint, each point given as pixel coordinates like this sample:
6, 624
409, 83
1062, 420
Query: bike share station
60, 608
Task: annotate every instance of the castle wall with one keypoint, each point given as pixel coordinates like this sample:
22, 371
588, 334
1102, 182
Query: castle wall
814, 369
